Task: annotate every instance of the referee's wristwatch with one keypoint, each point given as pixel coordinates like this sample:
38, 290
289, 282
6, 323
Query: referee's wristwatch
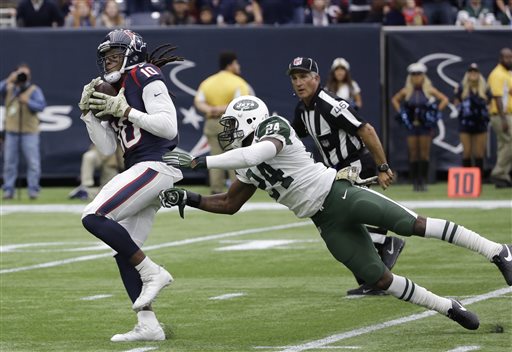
383, 167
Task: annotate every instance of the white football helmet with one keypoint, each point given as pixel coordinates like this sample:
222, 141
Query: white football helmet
242, 116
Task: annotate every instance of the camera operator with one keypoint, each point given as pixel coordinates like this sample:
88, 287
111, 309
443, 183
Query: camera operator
23, 100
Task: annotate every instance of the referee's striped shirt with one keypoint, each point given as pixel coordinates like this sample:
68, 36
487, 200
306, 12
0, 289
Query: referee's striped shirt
333, 125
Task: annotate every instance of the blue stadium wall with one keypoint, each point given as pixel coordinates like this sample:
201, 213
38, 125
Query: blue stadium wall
63, 60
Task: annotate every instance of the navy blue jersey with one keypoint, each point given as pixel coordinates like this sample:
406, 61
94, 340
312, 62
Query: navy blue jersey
138, 144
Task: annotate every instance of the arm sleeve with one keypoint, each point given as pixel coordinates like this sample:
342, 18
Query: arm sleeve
101, 134
37, 101
161, 118
243, 157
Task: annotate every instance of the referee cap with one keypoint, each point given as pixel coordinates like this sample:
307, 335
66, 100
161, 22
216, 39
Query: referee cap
305, 64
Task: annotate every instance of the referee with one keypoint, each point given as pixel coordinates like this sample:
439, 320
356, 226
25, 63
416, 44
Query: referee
343, 139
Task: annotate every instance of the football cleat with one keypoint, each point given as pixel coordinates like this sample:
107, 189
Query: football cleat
391, 249
463, 316
366, 290
152, 284
504, 262
141, 332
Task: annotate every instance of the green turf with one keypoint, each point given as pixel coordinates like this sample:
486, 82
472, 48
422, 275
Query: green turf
294, 294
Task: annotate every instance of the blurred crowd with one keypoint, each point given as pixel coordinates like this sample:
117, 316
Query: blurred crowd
118, 13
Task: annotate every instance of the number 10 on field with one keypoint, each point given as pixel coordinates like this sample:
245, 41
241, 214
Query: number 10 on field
464, 182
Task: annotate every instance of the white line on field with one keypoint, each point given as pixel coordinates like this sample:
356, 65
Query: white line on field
465, 349
227, 296
95, 297
142, 349
361, 331
319, 348
78, 208
158, 246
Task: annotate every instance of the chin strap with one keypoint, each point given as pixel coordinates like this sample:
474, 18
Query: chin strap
112, 77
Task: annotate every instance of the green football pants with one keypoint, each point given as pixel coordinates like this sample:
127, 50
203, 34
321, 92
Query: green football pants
341, 223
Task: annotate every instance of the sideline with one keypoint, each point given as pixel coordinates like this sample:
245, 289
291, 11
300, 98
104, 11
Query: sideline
412, 204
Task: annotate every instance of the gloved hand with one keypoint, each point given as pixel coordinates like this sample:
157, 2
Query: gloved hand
184, 160
351, 173
174, 197
116, 106
86, 95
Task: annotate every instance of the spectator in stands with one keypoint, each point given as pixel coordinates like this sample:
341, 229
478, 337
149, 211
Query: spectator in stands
317, 14
111, 16
23, 100
299, 11
359, 10
92, 160
439, 12
413, 14
178, 14
242, 18
80, 15
500, 82
213, 95
339, 11
138, 6
471, 99
387, 13
38, 13
206, 16
418, 105
273, 12
504, 12
340, 83
475, 15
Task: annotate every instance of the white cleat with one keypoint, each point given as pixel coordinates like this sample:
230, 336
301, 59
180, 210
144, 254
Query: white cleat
152, 284
141, 332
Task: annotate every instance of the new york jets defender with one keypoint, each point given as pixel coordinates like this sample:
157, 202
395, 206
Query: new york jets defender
268, 155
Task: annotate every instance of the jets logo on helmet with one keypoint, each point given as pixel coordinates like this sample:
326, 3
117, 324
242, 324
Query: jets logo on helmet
246, 104
129, 44
240, 120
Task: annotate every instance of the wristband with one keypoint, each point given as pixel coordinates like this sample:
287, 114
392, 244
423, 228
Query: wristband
193, 199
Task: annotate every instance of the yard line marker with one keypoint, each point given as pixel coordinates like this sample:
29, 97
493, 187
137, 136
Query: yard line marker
159, 246
365, 330
78, 208
320, 348
95, 297
465, 349
227, 296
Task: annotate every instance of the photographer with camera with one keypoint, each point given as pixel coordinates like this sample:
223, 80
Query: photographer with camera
23, 100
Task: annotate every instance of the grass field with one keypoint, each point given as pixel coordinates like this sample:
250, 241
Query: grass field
60, 289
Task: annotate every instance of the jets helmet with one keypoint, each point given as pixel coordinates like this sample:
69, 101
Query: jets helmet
129, 44
240, 120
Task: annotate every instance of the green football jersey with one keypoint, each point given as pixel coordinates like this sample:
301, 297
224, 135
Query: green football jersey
292, 177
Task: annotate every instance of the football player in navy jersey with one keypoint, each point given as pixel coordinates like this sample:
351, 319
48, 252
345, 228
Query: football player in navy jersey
142, 117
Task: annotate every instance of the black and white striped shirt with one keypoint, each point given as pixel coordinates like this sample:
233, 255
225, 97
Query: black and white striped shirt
333, 125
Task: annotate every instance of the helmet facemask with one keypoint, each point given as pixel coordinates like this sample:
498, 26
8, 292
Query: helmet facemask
105, 51
231, 137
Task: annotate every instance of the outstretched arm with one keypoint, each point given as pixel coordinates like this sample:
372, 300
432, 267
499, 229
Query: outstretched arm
224, 203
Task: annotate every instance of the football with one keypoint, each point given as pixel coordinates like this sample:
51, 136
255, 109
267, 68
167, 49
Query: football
105, 88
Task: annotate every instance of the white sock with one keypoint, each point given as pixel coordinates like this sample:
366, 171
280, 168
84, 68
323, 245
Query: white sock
406, 290
146, 266
462, 237
147, 317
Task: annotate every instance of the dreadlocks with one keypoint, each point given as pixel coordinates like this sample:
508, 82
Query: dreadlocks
160, 59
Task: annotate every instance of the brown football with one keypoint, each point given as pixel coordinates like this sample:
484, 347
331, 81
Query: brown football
105, 88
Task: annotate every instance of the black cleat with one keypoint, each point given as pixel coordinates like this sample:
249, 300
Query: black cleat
391, 249
463, 316
504, 262
366, 290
